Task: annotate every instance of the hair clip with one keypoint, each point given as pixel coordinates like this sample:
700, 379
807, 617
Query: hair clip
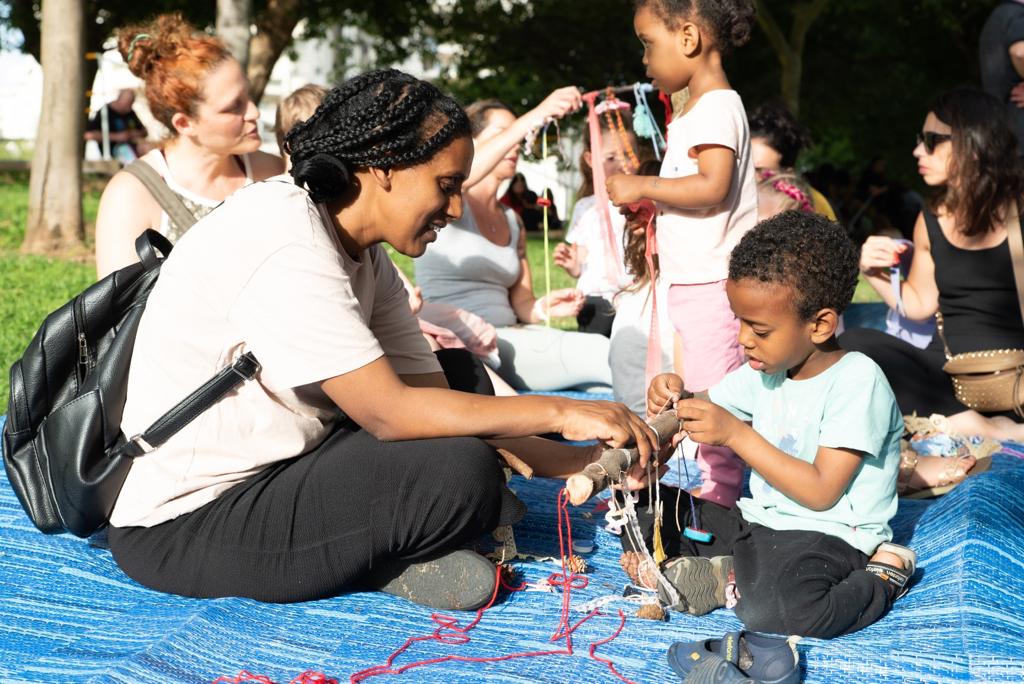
131, 47
794, 193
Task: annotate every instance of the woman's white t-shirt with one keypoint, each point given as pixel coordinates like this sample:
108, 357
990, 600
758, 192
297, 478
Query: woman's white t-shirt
265, 272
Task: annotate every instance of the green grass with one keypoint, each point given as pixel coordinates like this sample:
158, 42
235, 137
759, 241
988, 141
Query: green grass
535, 255
864, 293
32, 286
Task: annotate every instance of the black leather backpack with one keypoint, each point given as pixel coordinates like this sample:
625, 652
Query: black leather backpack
63, 449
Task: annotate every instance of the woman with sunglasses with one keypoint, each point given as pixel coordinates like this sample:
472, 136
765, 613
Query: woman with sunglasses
961, 266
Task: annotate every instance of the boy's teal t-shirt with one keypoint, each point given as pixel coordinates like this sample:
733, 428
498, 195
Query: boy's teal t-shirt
849, 406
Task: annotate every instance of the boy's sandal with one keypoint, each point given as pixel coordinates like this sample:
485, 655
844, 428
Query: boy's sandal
717, 670
763, 658
898, 579
698, 665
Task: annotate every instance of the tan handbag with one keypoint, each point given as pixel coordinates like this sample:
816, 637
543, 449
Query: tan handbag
992, 380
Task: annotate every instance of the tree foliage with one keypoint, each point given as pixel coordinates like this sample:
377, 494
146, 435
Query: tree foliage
520, 51
868, 68
870, 71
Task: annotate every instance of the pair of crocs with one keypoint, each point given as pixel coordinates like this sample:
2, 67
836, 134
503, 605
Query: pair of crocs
737, 658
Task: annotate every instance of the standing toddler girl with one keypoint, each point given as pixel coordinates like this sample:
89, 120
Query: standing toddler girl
706, 194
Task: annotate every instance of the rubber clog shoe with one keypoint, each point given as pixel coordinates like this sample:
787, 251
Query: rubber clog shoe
761, 658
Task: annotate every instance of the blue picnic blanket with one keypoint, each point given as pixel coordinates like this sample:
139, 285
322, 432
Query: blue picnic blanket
68, 614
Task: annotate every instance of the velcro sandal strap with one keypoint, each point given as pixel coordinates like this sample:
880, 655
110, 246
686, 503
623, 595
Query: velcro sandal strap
896, 578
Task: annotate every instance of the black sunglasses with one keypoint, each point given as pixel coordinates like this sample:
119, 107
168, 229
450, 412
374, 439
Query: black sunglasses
931, 139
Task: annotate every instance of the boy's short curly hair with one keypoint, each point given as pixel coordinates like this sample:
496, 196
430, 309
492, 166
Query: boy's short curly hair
806, 252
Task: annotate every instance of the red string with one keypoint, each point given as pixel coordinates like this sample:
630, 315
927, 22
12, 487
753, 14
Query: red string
667, 101
602, 642
243, 676
307, 677
448, 631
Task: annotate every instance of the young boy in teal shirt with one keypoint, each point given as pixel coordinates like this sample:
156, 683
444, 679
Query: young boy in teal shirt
808, 552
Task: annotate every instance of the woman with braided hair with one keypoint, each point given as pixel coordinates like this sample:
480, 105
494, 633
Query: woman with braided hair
347, 460
199, 92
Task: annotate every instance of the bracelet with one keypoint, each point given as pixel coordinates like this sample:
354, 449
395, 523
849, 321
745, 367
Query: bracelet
538, 310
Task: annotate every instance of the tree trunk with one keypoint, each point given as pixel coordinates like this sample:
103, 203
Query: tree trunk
274, 27
55, 185
234, 18
790, 49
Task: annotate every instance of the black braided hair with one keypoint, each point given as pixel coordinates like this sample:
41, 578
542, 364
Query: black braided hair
381, 119
730, 22
808, 253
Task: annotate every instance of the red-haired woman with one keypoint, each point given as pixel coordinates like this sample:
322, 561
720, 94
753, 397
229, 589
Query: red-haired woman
199, 92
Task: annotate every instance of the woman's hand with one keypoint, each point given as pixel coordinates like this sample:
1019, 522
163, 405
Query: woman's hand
623, 189
558, 303
556, 105
708, 423
879, 254
640, 477
608, 422
415, 300
568, 257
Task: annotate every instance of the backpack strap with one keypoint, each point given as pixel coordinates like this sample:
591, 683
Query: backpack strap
212, 391
1016, 240
168, 201
148, 244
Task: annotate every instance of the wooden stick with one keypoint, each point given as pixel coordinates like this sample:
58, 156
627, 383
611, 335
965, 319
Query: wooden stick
615, 89
614, 463
515, 463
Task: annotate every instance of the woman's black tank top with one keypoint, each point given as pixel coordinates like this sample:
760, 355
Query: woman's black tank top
977, 294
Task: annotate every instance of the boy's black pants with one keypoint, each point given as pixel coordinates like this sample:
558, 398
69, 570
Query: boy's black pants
789, 581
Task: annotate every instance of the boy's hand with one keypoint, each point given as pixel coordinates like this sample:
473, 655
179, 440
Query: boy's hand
664, 391
708, 423
640, 477
623, 189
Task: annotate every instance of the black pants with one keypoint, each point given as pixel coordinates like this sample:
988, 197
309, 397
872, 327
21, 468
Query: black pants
916, 375
790, 581
312, 526
596, 316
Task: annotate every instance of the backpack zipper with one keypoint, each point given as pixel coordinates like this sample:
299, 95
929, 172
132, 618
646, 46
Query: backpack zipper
84, 358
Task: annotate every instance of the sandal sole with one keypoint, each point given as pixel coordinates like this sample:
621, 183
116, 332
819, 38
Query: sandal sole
699, 582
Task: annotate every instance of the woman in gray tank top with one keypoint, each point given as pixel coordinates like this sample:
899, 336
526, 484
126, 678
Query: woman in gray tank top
478, 263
